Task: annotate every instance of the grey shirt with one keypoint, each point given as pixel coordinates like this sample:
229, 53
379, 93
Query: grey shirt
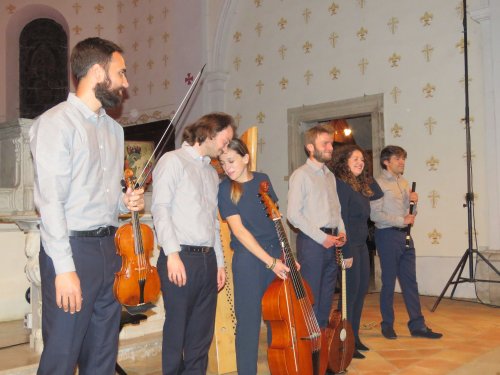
184, 204
78, 161
391, 209
313, 202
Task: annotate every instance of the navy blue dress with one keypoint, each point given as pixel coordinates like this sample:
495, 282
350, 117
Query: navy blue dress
355, 214
250, 275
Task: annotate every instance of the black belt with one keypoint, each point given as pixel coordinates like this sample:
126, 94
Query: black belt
332, 231
398, 229
99, 232
197, 249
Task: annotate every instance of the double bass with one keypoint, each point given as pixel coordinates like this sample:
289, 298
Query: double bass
137, 283
341, 336
298, 346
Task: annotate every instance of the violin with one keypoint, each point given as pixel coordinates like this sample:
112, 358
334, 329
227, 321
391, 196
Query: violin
341, 336
137, 283
298, 346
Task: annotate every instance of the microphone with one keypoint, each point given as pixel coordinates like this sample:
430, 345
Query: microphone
412, 205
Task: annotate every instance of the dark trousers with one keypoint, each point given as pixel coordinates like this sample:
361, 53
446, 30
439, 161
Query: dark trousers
397, 261
251, 279
357, 282
88, 338
319, 268
189, 314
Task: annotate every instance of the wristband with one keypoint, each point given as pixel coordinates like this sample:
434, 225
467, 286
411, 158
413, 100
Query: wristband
272, 265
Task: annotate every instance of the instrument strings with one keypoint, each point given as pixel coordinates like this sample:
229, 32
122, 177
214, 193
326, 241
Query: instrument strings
171, 125
298, 285
139, 249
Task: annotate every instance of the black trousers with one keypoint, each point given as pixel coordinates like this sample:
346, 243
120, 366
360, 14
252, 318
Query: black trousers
397, 261
88, 338
319, 269
189, 314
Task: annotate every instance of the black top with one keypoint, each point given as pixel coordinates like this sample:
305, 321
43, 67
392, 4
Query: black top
355, 214
251, 210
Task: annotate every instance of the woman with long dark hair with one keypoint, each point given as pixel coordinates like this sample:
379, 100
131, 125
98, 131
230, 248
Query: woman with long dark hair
256, 249
355, 188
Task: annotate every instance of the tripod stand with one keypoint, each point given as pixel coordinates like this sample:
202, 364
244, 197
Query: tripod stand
469, 197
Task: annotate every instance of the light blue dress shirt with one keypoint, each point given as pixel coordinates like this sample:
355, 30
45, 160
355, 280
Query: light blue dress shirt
313, 202
78, 160
184, 203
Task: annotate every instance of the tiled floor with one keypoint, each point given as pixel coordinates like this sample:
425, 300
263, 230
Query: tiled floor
471, 344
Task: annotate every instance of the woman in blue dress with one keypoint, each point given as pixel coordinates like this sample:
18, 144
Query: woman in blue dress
256, 249
355, 188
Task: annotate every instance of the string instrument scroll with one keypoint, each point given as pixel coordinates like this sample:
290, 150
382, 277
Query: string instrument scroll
298, 346
412, 205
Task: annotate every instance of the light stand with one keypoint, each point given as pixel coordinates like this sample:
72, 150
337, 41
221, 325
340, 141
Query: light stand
469, 197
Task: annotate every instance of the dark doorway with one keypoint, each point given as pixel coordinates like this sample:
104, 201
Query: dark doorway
43, 67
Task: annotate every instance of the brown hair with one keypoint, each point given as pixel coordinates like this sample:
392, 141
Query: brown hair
341, 170
241, 149
207, 127
89, 52
389, 151
311, 134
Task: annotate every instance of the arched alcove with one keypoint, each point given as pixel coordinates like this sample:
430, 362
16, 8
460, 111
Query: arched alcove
17, 22
43, 67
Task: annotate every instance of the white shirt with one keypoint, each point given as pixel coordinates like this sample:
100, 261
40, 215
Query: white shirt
184, 203
78, 161
391, 209
313, 202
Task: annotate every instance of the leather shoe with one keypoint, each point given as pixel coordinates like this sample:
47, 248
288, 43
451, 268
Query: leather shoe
427, 333
360, 346
389, 333
357, 354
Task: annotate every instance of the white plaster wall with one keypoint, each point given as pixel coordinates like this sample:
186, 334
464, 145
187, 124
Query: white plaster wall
164, 41
444, 71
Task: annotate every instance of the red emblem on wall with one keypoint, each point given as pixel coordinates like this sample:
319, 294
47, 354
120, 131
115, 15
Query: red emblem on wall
189, 79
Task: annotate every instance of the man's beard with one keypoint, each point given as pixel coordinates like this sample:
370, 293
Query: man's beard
318, 155
108, 98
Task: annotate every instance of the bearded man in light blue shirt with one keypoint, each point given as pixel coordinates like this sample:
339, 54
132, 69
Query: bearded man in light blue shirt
78, 161
314, 209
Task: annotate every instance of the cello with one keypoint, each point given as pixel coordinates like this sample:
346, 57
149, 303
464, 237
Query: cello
137, 283
298, 346
341, 336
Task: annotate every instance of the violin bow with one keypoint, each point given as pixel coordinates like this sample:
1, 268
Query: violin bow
171, 125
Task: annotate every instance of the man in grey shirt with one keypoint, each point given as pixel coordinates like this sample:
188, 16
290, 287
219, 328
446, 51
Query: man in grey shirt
191, 264
78, 160
391, 216
314, 209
